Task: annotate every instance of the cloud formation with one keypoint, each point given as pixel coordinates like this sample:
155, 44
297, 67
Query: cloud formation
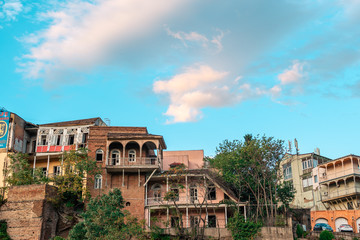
201, 86
10, 9
195, 37
292, 75
85, 35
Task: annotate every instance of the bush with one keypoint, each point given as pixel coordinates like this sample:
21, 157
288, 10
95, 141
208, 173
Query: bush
3, 231
241, 229
299, 231
326, 235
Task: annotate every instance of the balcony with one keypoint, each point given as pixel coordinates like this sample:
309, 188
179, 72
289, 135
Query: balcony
160, 201
340, 193
133, 164
337, 174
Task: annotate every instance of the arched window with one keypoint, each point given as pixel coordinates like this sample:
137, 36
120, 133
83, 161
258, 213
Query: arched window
99, 155
127, 204
115, 157
132, 155
98, 182
157, 192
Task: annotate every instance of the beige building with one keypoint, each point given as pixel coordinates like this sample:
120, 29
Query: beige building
300, 170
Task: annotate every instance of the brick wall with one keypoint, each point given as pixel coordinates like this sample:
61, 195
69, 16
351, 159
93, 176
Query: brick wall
28, 212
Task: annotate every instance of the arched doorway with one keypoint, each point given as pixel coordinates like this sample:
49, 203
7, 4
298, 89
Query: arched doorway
338, 222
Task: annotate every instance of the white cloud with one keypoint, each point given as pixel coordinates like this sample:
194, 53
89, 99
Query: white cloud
198, 87
294, 74
10, 9
214, 42
84, 35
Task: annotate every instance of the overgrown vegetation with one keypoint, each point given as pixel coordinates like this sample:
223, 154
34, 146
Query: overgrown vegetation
251, 167
299, 231
241, 229
326, 235
20, 171
3, 231
106, 219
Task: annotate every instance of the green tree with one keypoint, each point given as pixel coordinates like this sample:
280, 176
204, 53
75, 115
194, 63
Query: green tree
76, 168
251, 166
105, 219
286, 193
20, 172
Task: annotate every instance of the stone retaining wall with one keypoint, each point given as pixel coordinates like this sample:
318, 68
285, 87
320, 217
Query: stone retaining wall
29, 214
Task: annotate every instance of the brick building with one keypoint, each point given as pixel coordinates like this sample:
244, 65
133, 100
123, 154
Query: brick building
131, 159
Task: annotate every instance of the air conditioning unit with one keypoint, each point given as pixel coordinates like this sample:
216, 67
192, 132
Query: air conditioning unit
325, 193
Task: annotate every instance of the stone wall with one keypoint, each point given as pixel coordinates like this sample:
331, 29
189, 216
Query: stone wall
279, 233
28, 212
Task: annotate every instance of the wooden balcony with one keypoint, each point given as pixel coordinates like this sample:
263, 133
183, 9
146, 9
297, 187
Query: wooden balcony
338, 174
144, 164
340, 193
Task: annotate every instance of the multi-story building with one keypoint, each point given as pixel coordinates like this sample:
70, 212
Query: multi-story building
339, 190
299, 170
131, 159
16, 135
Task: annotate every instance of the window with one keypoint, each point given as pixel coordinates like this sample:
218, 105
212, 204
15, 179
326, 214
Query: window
84, 138
212, 221
315, 178
315, 162
309, 163
33, 146
287, 171
174, 222
44, 171
211, 192
193, 194
157, 192
350, 205
43, 140
307, 182
57, 170
132, 155
99, 155
127, 204
194, 221
115, 157
98, 182
71, 139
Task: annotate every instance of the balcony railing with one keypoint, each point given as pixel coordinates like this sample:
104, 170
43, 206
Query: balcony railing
339, 193
137, 161
156, 201
337, 173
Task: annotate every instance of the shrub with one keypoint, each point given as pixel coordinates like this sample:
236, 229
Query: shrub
299, 231
3, 231
326, 235
241, 229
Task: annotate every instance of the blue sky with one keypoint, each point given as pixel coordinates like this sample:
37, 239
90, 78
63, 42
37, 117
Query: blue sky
196, 72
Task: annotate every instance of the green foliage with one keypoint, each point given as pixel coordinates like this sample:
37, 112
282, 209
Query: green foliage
158, 233
105, 219
58, 238
20, 172
299, 231
251, 166
355, 238
3, 231
76, 166
285, 193
241, 229
326, 235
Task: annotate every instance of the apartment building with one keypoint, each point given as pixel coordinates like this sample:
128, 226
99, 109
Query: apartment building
339, 189
301, 171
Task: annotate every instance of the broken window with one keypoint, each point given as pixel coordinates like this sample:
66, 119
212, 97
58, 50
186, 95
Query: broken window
99, 155
211, 192
174, 222
71, 139
57, 170
43, 140
212, 221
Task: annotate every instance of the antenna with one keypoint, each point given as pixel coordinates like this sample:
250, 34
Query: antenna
290, 148
317, 151
107, 121
296, 146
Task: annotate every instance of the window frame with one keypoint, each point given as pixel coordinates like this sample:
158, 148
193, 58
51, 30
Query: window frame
98, 181
98, 152
132, 155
